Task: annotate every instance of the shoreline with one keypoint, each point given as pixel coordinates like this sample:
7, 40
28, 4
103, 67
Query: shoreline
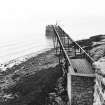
21, 59
37, 75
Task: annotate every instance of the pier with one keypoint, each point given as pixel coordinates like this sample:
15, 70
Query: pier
76, 65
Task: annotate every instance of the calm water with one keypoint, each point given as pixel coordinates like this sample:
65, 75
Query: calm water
17, 46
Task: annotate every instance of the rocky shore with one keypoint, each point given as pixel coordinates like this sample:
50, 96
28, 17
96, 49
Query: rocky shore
95, 46
31, 82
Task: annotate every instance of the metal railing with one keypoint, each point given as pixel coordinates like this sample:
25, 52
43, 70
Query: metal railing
86, 55
62, 49
65, 44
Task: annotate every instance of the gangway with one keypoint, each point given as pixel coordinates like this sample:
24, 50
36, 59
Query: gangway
75, 61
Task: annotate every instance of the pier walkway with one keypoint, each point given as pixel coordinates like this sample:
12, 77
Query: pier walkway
77, 65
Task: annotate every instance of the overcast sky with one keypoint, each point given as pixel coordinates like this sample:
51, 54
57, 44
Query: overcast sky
21, 19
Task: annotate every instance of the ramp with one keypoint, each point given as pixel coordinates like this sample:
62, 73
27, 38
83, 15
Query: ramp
82, 66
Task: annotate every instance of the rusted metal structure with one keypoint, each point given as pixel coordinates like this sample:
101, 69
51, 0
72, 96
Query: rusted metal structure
73, 58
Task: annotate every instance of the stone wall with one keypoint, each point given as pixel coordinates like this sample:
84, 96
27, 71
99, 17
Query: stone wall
82, 90
99, 91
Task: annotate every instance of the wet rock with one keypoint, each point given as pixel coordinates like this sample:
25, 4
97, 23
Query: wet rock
30, 81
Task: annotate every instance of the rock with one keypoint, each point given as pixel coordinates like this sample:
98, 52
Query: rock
99, 66
95, 46
97, 52
29, 82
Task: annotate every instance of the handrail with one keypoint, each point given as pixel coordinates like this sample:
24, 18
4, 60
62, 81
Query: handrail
80, 47
84, 51
62, 47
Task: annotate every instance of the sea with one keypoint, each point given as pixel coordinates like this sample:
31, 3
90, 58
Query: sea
16, 49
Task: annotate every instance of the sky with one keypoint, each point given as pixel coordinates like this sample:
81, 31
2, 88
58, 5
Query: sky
23, 22
21, 19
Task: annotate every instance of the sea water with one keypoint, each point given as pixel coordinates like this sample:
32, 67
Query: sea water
21, 46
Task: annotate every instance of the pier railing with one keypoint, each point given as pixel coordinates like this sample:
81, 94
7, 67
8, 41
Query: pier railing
67, 48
